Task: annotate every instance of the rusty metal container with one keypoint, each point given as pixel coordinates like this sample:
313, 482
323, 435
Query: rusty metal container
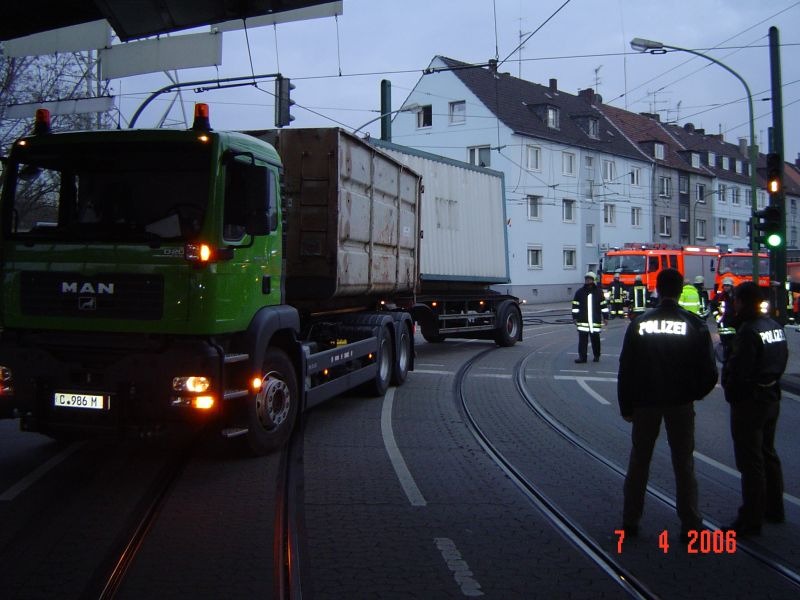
351, 219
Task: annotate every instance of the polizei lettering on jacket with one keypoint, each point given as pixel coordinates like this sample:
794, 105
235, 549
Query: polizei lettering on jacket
662, 327
772, 337
73, 287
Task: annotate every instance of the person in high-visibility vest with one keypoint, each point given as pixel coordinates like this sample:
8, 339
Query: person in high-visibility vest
725, 315
590, 313
690, 299
699, 283
617, 296
640, 297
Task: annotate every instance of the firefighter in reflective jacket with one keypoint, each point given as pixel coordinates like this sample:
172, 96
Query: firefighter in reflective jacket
690, 299
751, 379
640, 297
725, 315
617, 297
589, 312
699, 283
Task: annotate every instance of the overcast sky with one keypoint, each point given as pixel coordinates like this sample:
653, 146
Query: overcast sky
337, 64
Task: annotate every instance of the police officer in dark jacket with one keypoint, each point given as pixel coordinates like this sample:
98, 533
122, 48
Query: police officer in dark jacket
667, 362
751, 379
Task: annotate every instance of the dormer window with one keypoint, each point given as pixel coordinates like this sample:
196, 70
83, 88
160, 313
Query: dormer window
552, 117
695, 160
712, 159
658, 151
726, 163
738, 166
594, 128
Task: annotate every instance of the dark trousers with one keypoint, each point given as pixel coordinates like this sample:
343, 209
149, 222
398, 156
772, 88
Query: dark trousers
679, 423
583, 343
753, 423
617, 308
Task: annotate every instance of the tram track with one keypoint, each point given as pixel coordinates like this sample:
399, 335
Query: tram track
762, 555
570, 528
632, 584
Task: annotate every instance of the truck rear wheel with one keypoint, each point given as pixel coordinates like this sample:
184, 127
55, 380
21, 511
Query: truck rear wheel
432, 337
509, 322
403, 358
272, 412
384, 359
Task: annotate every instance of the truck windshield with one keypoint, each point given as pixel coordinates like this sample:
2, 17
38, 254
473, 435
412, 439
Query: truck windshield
624, 263
741, 265
132, 192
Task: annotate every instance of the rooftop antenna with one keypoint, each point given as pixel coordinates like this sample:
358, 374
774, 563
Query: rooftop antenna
522, 34
597, 78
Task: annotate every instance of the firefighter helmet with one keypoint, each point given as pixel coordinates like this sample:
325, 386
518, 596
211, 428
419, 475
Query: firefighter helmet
616, 276
727, 281
637, 278
590, 275
699, 279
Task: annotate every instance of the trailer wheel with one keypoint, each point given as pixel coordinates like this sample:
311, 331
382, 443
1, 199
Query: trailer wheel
272, 412
384, 358
509, 323
403, 358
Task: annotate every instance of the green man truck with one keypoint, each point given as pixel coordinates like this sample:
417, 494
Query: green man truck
160, 276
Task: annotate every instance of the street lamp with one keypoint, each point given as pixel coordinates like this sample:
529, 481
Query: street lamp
643, 45
407, 108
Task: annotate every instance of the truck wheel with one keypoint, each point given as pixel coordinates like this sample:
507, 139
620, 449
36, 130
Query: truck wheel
384, 358
509, 323
272, 412
403, 358
431, 337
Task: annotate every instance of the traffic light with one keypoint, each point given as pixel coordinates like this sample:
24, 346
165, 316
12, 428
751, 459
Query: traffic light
774, 173
769, 227
283, 101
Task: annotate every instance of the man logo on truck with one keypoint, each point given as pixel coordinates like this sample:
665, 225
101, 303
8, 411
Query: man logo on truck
71, 287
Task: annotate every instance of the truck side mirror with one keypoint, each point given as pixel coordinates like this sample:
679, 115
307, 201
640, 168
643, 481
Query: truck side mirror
257, 195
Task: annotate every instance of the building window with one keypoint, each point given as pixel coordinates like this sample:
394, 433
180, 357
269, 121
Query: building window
589, 189
594, 128
664, 187
568, 210
534, 257
683, 213
665, 225
568, 163
534, 158
658, 151
609, 172
735, 196
636, 217
425, 116
458, 111
683, 184
589, 163
569, 258
636, 176
695, 160
700, 229
479, 155
762, 199
723, 192
700, 193
534, 207
726, 163
589, 235
738, 166
552, 117
609, 214
736, 228
722, 226
712, 159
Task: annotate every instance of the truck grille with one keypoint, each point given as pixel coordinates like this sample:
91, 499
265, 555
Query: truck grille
126, 296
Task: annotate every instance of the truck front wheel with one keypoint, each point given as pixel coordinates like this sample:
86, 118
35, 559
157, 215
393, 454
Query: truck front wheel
271, 413
509, 323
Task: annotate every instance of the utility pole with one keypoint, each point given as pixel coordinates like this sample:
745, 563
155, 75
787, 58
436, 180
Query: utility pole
778, 197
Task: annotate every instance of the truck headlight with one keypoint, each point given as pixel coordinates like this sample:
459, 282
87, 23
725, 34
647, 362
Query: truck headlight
194, 384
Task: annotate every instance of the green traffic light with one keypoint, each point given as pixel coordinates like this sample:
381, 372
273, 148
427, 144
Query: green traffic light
774, 240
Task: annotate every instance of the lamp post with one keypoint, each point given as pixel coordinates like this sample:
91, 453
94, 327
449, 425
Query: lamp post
407, 108
643, 45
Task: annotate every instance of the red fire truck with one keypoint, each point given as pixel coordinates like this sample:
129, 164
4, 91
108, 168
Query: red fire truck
647, 260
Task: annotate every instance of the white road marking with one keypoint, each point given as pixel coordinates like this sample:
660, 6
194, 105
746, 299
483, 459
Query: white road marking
461, 571
32, 477
400, 468
591, 392
433, 372
494, 375
581, 381
734, 473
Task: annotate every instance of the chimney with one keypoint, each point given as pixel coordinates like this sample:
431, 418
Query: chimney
743, 146
700, 131
653, 116
587, 94
493, 65
554, 85
689, 127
